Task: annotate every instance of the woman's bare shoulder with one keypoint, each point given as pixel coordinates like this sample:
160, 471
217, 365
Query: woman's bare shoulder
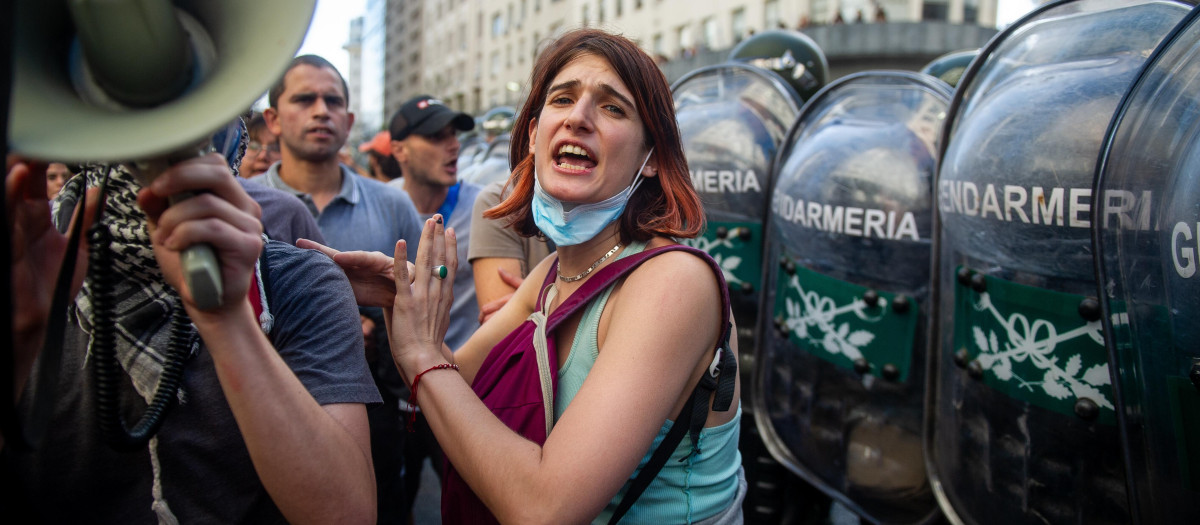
679, 275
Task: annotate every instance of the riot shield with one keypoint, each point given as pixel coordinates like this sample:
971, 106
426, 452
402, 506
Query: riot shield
841, 377
471, 148
732, 118
491, 164
1022, 422
950, 67
1147, 248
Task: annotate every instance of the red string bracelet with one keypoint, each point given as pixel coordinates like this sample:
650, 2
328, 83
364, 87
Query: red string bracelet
412, 399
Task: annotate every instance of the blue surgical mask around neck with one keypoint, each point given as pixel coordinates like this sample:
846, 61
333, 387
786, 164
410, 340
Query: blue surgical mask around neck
583, 222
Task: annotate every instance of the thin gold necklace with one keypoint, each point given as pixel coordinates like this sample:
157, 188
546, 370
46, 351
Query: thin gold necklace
585, 273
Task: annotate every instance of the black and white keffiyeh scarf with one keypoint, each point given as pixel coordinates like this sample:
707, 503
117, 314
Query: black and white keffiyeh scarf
145, 305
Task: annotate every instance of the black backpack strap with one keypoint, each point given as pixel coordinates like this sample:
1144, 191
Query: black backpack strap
720, 378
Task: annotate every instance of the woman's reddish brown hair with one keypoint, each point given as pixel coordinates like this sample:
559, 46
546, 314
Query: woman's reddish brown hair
664, 205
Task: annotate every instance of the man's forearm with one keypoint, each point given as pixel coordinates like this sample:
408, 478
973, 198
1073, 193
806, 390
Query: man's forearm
314, 460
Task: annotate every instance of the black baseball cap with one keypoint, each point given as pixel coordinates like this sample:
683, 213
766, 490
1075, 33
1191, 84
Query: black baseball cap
425, 115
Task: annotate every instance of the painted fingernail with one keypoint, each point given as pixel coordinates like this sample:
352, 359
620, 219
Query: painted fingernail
438, 218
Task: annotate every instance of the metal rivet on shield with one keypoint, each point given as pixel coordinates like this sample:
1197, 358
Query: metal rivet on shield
961, 357
862, 366
780, 326
789, 266
722, 232
975, 370
1089, 309
747, 288
1086, 409
979, 283
871, 297
744, 234
1194, 373
890, 372
900, 304
964, 276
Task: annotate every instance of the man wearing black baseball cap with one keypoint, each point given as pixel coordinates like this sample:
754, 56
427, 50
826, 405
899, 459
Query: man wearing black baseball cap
425, 144
425, 115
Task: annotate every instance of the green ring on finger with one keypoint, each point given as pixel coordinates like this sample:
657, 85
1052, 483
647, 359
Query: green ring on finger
440, 271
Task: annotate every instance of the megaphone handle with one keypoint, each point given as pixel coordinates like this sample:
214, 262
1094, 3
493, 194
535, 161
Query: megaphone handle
201, 270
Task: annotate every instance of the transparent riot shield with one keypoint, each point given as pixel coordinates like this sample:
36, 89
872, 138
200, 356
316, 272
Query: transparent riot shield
732, 118
1022, 421
841, 373
491, 164
1147, 246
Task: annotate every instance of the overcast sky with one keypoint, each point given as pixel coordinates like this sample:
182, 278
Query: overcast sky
330, 30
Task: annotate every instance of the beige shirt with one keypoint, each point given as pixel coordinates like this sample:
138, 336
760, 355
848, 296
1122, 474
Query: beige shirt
490, 237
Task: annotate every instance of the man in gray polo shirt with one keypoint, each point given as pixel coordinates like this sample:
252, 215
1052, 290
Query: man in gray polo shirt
309, 111
425, 144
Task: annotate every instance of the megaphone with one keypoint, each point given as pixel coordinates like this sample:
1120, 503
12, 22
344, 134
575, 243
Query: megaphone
252, 43
144, 81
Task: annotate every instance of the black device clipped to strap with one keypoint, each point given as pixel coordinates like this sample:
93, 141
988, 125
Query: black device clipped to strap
720, 378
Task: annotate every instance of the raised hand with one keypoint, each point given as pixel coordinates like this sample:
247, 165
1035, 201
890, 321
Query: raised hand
421, 311
221, 214
370, 273
38, 251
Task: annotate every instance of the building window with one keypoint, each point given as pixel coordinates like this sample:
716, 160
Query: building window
935, 11
619, 8
970, 12
771, 18
497, 25
710, 32
683, 35
738, 26
600, 12
658, 44
586, 14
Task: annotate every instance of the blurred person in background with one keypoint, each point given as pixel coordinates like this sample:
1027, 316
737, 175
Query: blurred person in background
57, 174
262, 150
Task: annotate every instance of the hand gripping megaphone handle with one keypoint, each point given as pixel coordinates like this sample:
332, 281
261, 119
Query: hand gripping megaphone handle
201, 269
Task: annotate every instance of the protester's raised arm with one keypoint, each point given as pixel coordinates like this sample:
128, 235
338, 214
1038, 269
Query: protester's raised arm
38, 251
370, 273
314, 460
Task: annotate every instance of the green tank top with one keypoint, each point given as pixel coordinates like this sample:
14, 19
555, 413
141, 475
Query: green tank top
685, 490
